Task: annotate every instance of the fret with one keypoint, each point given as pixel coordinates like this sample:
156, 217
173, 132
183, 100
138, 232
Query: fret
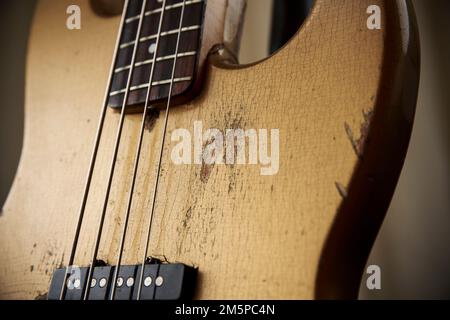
155, 83
149, 61
163, 70
159, 10
163, 34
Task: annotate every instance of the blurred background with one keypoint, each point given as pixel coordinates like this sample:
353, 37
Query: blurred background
413, 247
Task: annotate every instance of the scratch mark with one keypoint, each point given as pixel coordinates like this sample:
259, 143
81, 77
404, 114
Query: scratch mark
365, 128
206, 169
342, 190
187, 217
352, 139
41, 296
358, 144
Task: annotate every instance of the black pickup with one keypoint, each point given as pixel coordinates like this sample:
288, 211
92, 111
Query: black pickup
160, 282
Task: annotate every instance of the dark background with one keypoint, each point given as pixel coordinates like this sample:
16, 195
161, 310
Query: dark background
413, 247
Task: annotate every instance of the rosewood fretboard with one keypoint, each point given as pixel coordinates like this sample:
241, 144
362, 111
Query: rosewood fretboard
188, 52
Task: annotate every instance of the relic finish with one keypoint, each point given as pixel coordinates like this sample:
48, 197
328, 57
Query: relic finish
342, 96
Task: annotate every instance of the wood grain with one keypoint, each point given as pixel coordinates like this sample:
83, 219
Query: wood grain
251, 236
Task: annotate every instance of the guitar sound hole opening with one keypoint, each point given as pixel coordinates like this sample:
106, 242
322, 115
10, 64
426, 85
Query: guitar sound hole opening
269, 25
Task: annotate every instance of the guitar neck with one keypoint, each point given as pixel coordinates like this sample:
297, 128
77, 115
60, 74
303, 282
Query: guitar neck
146, 41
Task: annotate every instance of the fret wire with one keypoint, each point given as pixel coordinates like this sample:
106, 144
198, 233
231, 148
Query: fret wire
170, 7
163, 34
159, 59
155, 83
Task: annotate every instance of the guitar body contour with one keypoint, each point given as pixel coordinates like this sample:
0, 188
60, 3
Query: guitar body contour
343, 98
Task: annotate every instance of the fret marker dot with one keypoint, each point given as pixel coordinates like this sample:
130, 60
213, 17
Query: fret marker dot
152, 48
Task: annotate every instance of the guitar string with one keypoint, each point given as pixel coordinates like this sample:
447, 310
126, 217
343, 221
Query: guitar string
166, 120
87, 286
93, 159
137, 157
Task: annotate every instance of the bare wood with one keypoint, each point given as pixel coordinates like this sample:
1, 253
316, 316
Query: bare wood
251, 236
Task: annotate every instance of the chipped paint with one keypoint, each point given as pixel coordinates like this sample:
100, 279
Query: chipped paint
351, 137
358, 144
41, 296
150, 119
205, 172
342, 190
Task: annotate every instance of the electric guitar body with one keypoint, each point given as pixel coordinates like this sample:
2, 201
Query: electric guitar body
340, 95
